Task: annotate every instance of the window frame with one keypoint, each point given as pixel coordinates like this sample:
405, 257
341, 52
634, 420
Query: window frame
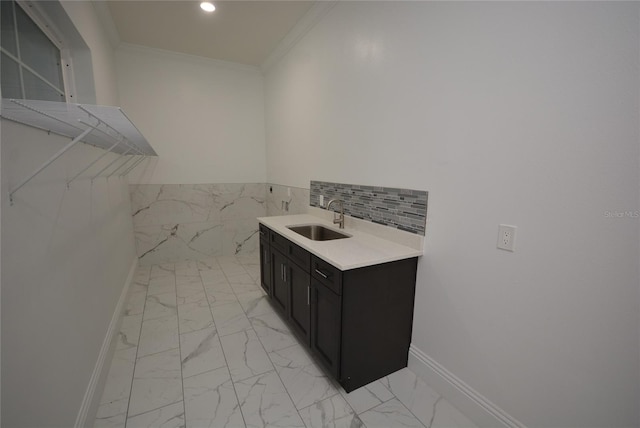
40, 19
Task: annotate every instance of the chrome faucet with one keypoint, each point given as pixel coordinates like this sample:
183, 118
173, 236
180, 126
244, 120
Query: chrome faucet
339, 219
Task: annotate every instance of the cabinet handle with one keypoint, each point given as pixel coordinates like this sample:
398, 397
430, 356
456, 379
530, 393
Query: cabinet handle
322, 274
308, 295
282, 271
285, 272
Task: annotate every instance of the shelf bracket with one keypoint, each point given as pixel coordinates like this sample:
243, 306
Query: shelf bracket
47, 163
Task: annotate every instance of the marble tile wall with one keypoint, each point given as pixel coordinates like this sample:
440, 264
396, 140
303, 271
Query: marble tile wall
286, 200
175, 222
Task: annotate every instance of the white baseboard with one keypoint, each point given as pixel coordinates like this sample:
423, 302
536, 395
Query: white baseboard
90, 402
474, 405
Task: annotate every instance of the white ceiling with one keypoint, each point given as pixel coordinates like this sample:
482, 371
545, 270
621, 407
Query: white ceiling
239, 31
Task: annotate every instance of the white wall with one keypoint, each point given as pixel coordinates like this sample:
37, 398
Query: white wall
204, 118
517, 113
66, 254
86, 20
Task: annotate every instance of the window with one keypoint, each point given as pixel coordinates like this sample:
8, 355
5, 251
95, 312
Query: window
31, 64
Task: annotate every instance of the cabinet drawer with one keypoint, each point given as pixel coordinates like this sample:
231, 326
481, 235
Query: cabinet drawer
299, 256
279, 242
264, 231
327, 274
296, 254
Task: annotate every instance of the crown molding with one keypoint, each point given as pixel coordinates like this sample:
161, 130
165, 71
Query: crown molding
184, 57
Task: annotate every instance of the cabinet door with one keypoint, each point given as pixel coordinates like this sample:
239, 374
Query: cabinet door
265, 266
326, 319
300, 309
279, 283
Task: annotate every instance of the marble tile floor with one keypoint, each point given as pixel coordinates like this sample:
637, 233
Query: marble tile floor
201, 346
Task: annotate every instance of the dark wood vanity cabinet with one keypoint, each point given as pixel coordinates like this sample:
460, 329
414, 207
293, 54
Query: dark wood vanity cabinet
357, 322
291, 283
326, 323
300, 303
279, 286
265, 260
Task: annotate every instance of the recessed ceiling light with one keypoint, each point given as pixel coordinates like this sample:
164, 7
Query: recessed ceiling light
207, 6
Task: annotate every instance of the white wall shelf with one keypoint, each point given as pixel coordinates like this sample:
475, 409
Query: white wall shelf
104, 127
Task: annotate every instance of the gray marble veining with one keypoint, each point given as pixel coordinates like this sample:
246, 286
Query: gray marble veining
157, 382
210, 400
129, 331
171, 416
175, 222
333, 412
158, 335
273, 332
115, 396
201, 351
306, 383
286, 200
245, 355
390, 414
226, 358
265, 402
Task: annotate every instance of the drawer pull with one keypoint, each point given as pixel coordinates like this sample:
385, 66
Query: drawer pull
322, 274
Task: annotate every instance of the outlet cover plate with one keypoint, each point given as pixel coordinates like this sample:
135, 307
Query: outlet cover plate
507, 237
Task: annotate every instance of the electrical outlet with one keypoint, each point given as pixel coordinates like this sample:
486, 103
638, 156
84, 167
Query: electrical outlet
507, 237
321, 200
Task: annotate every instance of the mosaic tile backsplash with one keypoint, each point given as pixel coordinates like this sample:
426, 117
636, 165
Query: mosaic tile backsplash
403, 209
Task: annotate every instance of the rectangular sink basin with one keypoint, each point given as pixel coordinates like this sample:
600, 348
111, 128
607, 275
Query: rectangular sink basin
317, 232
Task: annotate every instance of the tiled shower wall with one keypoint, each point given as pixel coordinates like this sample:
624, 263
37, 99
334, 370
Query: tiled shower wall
403, 209
174, 222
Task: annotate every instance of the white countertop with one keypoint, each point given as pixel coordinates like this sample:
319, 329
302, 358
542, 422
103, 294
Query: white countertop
361, 249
